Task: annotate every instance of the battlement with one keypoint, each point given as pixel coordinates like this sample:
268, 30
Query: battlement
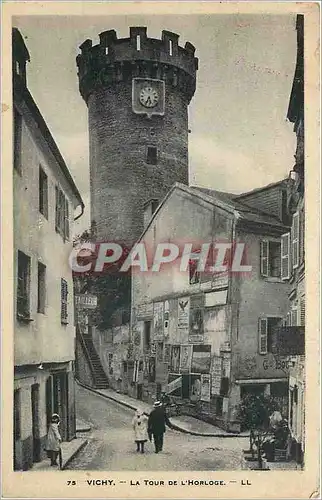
118, 59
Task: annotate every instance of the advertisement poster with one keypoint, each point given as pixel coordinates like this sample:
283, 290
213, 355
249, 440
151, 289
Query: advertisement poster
175, 359
158, 310
201, 359
183, 312
196, 326
205, 387
166, 319
185, 358
216, 373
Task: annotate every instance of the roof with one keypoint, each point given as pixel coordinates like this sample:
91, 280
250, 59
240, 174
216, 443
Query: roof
226, 201
263, 188
247, 213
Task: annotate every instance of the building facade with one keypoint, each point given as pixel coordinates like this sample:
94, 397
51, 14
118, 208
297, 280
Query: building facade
206, 338
45, 198
291, 339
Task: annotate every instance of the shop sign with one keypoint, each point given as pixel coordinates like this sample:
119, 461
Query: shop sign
205, 387
158, 320
216, 375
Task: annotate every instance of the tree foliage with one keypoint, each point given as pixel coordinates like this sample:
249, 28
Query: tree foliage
112, 287
255, 410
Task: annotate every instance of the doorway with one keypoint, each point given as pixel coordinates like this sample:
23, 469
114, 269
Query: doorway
60, 402
35, 422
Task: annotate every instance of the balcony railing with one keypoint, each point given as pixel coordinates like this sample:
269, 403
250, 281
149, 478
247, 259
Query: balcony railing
289, 341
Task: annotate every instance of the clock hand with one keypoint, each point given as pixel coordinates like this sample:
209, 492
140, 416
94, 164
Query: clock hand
148, 101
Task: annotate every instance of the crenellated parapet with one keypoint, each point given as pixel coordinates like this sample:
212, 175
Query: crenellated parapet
116, 60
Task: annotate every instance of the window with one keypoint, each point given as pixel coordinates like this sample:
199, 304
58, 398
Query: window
271, 258
17, 139
106, 51
64, 301
152, 155
23, 288
295, 240
138, 42
170, 47
16, 415
43, 192
147, 334
285, 256
41, 288
62, 214
266, 333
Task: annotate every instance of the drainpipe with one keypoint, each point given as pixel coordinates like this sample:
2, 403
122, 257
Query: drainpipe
82, 211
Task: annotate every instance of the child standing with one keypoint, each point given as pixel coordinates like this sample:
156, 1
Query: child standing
140, 427
53, 439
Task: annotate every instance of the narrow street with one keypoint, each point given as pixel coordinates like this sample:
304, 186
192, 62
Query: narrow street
111, 446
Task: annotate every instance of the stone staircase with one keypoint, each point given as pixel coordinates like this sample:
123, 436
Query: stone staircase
99, 376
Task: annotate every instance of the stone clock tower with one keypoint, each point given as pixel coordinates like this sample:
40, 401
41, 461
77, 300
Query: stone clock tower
137, 90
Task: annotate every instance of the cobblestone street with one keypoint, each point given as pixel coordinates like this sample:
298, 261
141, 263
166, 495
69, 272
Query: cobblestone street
111, 446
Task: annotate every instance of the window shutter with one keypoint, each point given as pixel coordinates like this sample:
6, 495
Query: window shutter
61, 213
57, 208
302, 311
294, 316
302, 235
66, 212
285, 256
264, 257
262, 336
64, 300
295, 240
288, 319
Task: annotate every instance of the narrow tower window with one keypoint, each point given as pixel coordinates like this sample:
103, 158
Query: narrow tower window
170, 47
152, 155
138, 42
106, 51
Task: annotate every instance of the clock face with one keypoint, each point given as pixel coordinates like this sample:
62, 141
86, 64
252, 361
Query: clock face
149, 97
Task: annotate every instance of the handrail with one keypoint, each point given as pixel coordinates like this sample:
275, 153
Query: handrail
81, 337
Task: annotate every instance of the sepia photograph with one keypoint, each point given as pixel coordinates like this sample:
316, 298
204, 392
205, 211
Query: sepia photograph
159, 244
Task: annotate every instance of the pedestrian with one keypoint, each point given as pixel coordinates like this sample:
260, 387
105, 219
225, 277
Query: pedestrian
140, 427
53, 440
158, 419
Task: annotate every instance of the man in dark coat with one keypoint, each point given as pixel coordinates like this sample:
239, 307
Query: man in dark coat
158, 419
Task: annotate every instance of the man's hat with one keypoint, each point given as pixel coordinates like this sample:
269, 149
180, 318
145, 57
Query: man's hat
157, 404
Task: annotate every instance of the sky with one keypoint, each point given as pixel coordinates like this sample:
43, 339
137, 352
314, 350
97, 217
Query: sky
240, 138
